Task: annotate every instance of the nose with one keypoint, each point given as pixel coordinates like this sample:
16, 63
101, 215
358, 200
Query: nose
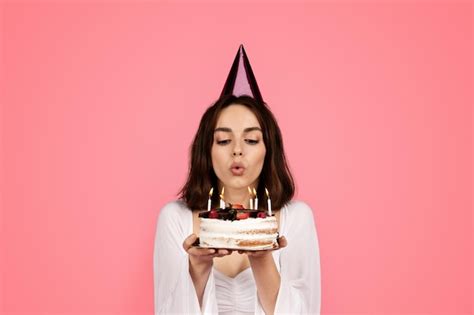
237, 150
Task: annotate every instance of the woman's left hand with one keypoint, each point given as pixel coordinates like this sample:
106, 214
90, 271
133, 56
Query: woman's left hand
282, 242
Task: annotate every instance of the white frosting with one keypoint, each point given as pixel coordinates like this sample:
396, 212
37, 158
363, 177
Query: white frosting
227, 234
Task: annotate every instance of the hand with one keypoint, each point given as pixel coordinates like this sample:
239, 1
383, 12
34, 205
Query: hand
282, 242
200, 263
202, 256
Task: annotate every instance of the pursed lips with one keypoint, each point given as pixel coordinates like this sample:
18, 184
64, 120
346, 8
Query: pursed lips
237, 168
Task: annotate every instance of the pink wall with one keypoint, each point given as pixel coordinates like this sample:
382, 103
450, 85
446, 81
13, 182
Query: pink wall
102, 101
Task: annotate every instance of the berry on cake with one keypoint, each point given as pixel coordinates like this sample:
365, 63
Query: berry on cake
233, 226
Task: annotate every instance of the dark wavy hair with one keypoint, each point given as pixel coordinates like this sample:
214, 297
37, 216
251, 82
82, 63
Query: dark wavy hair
275, 175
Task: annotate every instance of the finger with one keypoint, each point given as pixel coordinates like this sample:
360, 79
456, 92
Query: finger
224, 252
201, 251
229, 252
282, 242
188, 242
255, 254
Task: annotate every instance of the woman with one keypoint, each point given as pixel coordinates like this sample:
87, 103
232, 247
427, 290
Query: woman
238, 145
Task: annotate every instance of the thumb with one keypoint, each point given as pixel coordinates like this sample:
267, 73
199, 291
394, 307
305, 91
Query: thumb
282, 241
188, 242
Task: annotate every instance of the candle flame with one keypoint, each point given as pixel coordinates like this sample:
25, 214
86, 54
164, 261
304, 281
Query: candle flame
222, 193
266, 191
211, 191
250, 191
254, 192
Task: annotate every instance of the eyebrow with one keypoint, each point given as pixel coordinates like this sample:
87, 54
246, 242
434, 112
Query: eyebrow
225, 129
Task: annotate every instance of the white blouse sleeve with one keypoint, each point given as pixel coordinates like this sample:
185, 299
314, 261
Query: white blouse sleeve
300, 272
173, 287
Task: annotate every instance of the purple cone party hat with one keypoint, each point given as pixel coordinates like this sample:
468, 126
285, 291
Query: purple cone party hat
241, 80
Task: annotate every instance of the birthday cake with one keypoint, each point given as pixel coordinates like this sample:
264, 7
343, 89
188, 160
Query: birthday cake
234, 227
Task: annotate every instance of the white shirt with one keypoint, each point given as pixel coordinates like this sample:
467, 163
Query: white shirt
298, 264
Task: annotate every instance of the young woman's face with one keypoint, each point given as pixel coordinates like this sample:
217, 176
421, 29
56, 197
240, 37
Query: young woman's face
238, 151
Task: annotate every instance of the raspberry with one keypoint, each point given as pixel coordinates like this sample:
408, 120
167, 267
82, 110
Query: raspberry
262, 215
213, 214
242, 215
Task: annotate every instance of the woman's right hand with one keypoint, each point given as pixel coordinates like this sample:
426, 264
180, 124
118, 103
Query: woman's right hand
200, 263
202, 256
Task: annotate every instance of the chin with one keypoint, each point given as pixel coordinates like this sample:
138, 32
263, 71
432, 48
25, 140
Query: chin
239, 183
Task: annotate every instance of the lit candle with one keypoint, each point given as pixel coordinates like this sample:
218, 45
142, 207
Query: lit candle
209, 201
256, 199
269, 202
251, 200
222, 203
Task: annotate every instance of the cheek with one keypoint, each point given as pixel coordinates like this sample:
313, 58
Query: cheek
217, 157
259, 156
262, 155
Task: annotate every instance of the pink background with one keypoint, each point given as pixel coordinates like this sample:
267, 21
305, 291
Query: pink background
100, 102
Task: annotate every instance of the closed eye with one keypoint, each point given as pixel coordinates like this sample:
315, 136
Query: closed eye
223, 142
251, 141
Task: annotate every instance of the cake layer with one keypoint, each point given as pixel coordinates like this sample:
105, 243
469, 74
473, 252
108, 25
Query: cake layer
251, 233
237, 226
238, 244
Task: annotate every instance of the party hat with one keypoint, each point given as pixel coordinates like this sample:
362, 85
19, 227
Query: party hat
241, 80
